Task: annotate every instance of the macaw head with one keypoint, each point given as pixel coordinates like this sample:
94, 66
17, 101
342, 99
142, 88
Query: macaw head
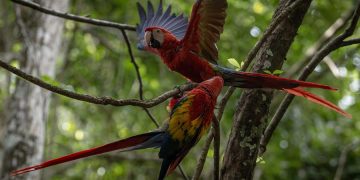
156, 37
212, 86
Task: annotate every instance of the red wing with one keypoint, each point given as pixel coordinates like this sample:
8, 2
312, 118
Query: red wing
205, 26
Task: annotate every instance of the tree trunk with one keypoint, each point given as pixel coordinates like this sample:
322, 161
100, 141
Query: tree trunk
28, 106
250, 118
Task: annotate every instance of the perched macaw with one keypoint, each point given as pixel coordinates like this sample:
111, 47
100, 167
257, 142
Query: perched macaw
189, 48
190, 118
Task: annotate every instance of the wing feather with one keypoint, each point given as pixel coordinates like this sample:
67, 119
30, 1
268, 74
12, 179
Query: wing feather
186, 127
205, 26
166, 20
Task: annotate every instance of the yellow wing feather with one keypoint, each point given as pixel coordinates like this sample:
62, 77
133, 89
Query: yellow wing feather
181, 126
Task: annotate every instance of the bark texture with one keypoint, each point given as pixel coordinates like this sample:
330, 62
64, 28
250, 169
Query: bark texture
250, 118
27, 109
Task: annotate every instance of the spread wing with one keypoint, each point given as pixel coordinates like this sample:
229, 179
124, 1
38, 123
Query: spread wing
177, 25
205, 26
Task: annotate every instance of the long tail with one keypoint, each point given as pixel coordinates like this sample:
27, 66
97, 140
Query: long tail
317, 99
142, 141
258, 80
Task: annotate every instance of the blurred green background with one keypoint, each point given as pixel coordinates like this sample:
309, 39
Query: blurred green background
306, 145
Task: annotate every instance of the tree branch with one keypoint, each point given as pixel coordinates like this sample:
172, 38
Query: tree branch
252, 109
231, 90
98, 100
333, 44
210, 136
202, 158
73, 17
138, 75
350, 42
216, 134
339, 24
343, 157
278, 19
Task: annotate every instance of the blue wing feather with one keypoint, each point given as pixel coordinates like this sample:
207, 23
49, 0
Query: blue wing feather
166, 20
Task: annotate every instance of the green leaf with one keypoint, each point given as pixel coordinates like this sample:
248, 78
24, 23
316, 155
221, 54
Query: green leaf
260, 160
234, 62
15, 64
242, 63
278, 72
267, 72
17, 47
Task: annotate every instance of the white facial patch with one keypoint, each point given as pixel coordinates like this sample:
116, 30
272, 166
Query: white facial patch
158, 35
147, 38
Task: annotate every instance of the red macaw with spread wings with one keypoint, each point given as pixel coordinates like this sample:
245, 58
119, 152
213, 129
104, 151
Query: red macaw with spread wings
189, 48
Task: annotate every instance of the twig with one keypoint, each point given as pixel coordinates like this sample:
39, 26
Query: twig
138, 75
339, 24
343, 158
333, 44
202, 158
136, 66
209, 138
73, 17
216, 134
22, 27
98, 100
132, 58
223, 102
350, 42
183, 172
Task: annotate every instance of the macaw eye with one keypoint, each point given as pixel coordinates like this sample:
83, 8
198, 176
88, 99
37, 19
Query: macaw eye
158, 30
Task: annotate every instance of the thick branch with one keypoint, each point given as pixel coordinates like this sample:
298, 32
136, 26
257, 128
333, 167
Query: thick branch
278, 19
98, 100
251, 114
231, 90
73, 17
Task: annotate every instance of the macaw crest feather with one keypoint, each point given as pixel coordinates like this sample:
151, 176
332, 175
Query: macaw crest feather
177, 25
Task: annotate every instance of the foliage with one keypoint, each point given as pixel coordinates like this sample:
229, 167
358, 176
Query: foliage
306, 145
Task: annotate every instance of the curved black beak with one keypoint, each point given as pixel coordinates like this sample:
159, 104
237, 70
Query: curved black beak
153, 42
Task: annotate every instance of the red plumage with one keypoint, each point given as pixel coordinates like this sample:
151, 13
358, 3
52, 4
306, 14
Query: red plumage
121, 144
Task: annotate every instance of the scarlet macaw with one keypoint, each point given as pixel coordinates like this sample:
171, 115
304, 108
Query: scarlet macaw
189, 48
190, 118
